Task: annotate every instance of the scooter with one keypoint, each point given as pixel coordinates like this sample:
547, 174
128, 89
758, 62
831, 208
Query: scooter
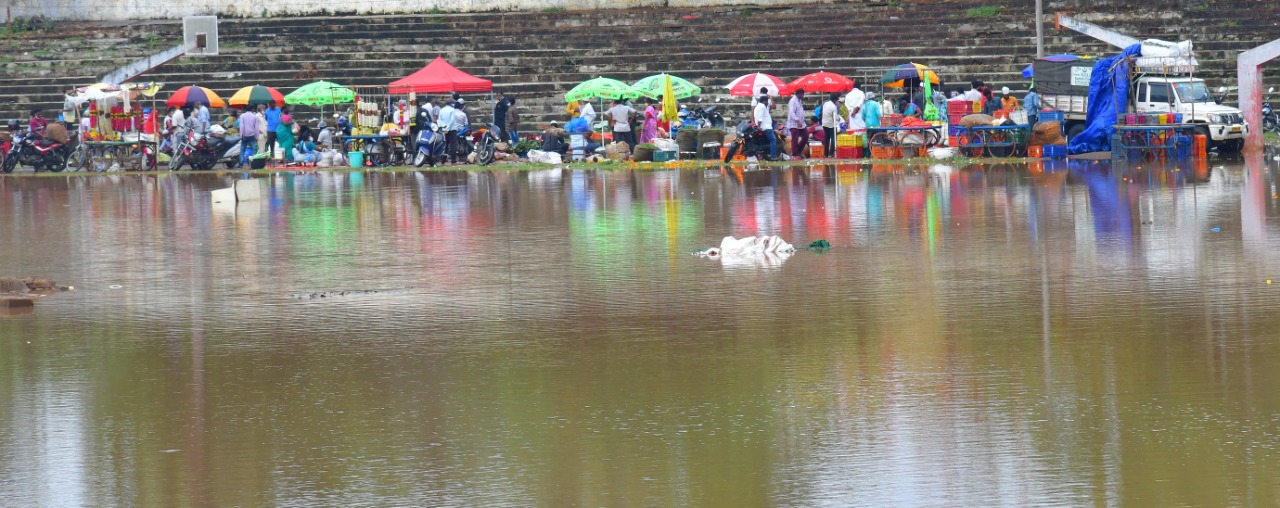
429, 146
751, 141
230, 149
38, 152
1270, 119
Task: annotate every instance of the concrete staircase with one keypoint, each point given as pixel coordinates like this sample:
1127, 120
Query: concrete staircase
539, 55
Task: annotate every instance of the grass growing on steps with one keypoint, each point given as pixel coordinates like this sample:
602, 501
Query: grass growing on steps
986, 11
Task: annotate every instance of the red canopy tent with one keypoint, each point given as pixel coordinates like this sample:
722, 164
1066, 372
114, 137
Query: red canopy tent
440, 77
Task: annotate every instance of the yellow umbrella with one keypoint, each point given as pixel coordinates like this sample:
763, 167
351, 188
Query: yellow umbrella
669, 110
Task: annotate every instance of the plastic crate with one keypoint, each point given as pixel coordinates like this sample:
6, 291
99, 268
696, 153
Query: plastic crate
1055, 151
891, 120
845, 152
955, 130
816, 151
1052, 116
849, 140
666, 155
1035, 151
961, 107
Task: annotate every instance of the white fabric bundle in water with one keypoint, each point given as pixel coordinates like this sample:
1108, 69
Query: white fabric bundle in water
750, 252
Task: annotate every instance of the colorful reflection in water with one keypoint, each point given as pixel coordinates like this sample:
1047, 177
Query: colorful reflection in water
991, 335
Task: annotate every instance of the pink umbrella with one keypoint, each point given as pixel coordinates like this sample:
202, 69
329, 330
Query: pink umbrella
821, 81
751, 84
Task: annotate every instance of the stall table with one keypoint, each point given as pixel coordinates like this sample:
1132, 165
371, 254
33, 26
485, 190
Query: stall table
1150, 141
994, 140
931, 136
391, 148
133, 155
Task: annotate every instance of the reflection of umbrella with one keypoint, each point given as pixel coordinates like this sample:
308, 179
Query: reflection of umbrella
821, 81
654, 85
321, 93
603, 88
908, 74
190, 95
750, 85
255, 95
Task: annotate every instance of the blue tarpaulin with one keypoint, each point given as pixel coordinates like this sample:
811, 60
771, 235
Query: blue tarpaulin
1108, 96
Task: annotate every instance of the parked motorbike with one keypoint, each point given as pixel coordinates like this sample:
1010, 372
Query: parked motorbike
196, 150
230, 149
1270, 119
429, 147
751, 142
38, 152
701, 118
487, 146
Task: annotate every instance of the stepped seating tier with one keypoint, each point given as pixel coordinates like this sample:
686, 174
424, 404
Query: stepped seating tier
540, 55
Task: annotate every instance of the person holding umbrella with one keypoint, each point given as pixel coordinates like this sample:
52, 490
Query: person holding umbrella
795, 123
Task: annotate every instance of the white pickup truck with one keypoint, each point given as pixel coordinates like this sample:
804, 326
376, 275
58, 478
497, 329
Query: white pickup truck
1064, 85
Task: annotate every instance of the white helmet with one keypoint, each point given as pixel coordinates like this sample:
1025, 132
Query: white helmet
217, 130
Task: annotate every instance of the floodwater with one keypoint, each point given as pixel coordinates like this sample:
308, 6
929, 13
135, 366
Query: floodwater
1053, 335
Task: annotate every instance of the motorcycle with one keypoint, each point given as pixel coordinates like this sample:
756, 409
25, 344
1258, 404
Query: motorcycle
487, 146
751, 141
195, 150
38, 152
701, 118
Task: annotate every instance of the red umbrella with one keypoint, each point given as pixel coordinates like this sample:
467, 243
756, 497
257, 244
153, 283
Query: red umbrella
821, 81
751, 84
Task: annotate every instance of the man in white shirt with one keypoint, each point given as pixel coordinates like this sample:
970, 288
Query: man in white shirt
619, 117
445, 119
974, 95
830, 123
854, 102
765, 122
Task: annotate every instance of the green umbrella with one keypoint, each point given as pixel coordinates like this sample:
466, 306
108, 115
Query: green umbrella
653, 87
603, 88
321, 93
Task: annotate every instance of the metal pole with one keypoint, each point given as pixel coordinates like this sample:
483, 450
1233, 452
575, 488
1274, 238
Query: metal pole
1039, 29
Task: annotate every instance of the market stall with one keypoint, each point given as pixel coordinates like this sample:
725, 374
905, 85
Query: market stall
116, 131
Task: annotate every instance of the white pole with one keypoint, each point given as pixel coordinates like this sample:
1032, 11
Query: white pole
1039, 29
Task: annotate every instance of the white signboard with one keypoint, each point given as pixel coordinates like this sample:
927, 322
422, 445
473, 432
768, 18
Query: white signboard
1080, 76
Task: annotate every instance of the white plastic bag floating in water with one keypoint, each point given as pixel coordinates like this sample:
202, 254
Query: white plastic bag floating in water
751, 251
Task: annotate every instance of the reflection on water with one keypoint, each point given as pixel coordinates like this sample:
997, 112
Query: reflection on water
988, 335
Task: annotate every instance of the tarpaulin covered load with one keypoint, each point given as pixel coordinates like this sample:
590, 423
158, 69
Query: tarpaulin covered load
1064, 74
1108, 96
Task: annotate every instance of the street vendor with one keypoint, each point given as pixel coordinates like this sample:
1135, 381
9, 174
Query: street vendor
855, 102
1007, 101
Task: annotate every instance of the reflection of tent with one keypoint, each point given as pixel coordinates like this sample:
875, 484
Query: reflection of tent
440, 77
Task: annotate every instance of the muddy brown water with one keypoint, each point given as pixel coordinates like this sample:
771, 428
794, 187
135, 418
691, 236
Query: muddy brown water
1053, 334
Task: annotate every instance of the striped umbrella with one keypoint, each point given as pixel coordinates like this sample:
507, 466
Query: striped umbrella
908, 75
255, 95
750, 85
190, 95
